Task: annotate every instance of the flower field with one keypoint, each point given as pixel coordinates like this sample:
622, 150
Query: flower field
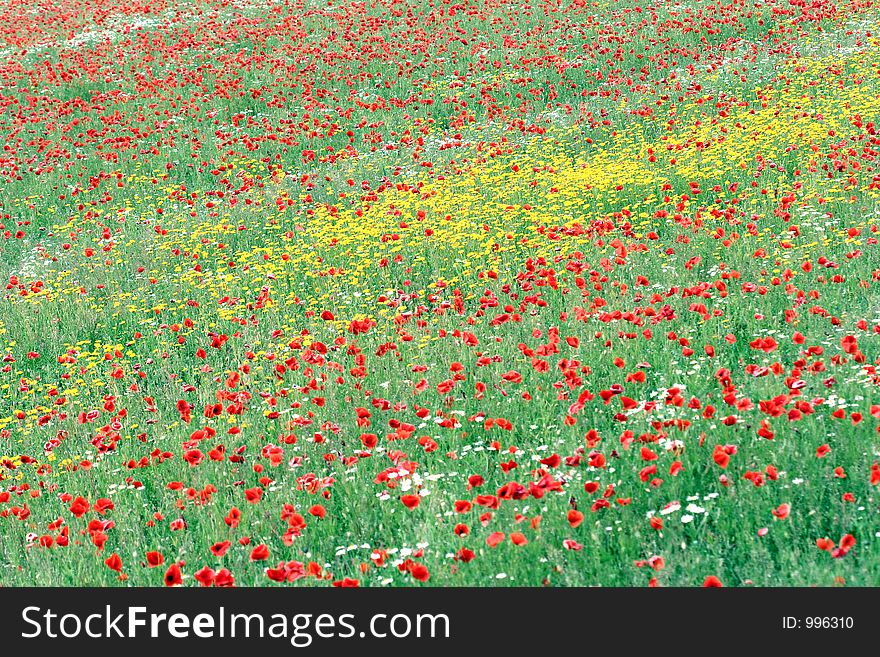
440, 293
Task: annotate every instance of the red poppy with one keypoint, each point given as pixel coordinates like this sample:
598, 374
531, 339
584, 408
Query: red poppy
219, 549
420, 572
847, 542
465, 555
79, 507
462, 506
410, 501
114, 562
260, 552
721, 457
103, 505
223, 578
575, 517
154, 559
173, 576
233, 517
782, 511
205, 576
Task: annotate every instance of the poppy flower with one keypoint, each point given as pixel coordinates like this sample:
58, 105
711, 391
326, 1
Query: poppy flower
825, 544
260, 552
462, 506
223, 578
79, 507
720, 456
154, 559
465, 555
847, 542
782, 511
233, 517
656, 562
173, 576
219, 549
205, 576
420, 572
103, 505
114, 562
411, 501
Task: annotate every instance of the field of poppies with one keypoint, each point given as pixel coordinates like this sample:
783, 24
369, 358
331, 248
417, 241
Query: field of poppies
440, 292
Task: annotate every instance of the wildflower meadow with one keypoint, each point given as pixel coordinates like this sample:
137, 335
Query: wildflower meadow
440, 293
